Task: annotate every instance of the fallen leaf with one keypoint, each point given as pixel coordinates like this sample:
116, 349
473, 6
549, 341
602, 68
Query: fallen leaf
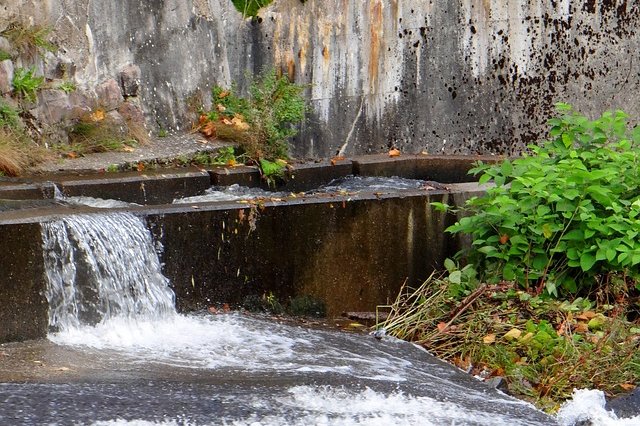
213, 310
208, 129
489, 339
128, 148
355, 325
627, 386
394, 152
589, 314
140, 166
97, 115
442, 327
225, 307
513, 334
335, 159
597, 322
581, 328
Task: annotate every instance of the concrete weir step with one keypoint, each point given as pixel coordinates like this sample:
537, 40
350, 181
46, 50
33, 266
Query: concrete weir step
353, 251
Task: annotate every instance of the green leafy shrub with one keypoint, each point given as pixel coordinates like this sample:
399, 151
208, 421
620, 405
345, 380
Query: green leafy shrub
262, 123
26, 84
565, 216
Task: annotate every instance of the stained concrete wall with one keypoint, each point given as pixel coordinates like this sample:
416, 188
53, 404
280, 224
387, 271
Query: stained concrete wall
451, 76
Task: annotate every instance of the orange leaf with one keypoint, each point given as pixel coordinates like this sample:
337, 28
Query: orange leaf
335, 159
225, 307
489, 339
140, 166
209, 129
394, 152
97, 115
627, 386
504, 238
442, 327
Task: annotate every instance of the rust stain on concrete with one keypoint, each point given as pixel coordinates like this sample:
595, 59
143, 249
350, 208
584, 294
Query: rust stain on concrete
377, 32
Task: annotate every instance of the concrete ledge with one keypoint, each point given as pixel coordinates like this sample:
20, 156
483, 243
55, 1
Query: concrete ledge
156, 188
26, 191
439, 168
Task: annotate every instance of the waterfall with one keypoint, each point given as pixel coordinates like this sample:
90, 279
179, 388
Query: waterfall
100, 267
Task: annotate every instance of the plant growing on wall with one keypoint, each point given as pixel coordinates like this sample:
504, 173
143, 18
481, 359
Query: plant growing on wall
566, 216
26, 84
262, 123
28, 39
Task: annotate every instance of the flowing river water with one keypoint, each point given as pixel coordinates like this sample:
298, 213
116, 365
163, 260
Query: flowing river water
119, 353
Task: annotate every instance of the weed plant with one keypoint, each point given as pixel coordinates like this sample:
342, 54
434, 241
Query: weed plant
9, 117
27, 39
26, 84
543, 348
17, 151
564, 218
262, 123
96, 132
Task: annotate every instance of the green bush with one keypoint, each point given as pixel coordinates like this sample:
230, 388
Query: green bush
261, 123
565, 216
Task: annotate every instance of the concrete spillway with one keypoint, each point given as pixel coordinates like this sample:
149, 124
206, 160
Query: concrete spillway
352, 250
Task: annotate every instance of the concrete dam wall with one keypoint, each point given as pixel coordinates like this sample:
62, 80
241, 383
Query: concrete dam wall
451, 77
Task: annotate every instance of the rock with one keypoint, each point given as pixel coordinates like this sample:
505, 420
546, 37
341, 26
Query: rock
499, 383
6, 75
626, 405
132, 112
53, 106
130, 80
109, 95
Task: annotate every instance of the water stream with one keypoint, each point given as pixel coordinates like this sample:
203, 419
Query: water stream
119, 353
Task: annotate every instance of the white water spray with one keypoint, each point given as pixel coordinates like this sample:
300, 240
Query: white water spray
101, 267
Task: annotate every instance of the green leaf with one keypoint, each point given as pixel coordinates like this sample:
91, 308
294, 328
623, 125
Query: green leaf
587, 260
450, 265
455, 277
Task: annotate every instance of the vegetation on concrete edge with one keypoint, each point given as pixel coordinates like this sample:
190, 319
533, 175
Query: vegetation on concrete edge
565, 218
261, 123
97, 132
548, 298
543, 348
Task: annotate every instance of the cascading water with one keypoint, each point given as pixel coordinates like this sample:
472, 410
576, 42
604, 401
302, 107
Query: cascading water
100, 267
112, 311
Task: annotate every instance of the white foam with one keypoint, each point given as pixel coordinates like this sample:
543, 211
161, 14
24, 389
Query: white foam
323, 405
589, 405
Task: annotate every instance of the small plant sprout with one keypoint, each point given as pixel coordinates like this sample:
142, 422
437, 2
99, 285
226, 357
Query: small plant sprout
67, 87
